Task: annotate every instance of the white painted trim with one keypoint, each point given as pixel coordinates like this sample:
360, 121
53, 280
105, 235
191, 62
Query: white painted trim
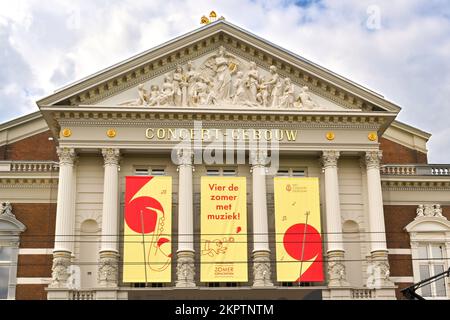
35, 251
400, 251
34, 280
402, 279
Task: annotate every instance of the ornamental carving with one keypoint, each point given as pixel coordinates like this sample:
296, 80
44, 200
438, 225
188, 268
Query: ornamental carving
258, 157
66, 156
261, 271
336, 273
111, 156
108, 270
429, 210
185, 156
330, 158
185, 271
6, 210
373, 159
226, 80
60, 270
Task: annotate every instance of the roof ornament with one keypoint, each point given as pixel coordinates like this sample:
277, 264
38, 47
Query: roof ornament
212, 18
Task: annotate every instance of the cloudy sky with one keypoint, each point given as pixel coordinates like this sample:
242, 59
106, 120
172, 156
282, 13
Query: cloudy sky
399, 48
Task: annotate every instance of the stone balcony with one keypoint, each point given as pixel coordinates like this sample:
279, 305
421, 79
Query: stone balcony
432, 170
29, 166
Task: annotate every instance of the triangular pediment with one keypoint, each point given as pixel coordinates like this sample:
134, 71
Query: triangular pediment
224, 78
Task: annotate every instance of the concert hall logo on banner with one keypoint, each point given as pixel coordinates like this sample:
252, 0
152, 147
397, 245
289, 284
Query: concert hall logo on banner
147, 229
297, 224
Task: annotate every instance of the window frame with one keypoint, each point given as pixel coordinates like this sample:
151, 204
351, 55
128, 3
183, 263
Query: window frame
429, 230
10, 231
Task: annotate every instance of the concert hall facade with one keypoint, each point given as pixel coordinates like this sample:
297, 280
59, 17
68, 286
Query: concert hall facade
219, 166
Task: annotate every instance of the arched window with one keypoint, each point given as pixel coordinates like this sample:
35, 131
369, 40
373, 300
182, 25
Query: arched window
89, 247
10, 230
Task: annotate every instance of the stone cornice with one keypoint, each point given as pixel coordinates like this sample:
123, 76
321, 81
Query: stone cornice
164, 58
174, 117
28, 182
410, 185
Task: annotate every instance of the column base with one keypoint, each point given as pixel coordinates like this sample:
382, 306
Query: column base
378, 271
261, 269
185, 270
108, 269
337, 276
60, 269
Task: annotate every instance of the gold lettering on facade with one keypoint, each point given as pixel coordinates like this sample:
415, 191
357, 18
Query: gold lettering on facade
208, 134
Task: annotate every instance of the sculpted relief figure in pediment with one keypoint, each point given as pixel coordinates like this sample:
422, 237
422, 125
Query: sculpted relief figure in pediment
223, 79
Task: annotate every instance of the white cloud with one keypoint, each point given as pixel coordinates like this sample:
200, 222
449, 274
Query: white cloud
405, 57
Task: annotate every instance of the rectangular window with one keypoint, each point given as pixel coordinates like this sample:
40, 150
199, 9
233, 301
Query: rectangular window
298, 173
158, 172
5, 267
141, 172
229, 172
213, 172
283, 173
431, 263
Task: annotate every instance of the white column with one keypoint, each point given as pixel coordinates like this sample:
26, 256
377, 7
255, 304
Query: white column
379, 265
108, 255
261, 250
65, 219
335, 252
185, 252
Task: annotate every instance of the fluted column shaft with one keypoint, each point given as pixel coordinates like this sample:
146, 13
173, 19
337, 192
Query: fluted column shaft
375, 202
335, 253
185, 252
108, 255
261, 250
65, 219
333, 204
378, 267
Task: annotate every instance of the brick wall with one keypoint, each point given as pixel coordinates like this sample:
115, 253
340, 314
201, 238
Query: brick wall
397, 153
37, 147
31, 292
39, 218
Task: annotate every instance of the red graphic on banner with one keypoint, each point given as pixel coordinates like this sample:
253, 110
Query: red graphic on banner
145, 215
304, 243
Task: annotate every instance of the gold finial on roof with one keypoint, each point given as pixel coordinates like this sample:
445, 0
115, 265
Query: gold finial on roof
212, 17
204, 20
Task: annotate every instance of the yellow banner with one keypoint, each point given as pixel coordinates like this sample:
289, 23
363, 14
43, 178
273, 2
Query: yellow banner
224, 229
298, 229
147, 229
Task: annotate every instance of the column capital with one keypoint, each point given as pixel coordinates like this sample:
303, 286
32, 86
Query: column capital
66, 155
111, 156
330, 158
373, 159
258, 157
185, 156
